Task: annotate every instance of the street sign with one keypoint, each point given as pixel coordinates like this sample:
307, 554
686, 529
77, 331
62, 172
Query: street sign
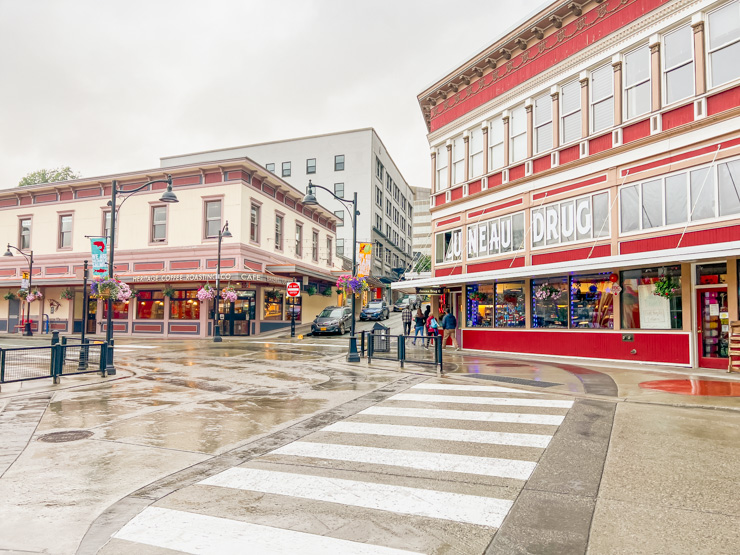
24, 280
293, 289
99, 250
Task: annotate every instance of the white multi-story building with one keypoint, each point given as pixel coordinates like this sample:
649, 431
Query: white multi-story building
343, 162
422, 240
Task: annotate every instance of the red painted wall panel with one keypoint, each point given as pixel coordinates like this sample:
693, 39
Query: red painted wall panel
495, 180
541, 164
672, 348
679, 116
439, 200
148, 266
636, 131
474, 187
494, 208
87, 193
225, 263
213, 177
156, 328
448, 271
8, 272
456, 194
448, 221
8, 202
187, 180
50, 197
679, 157
26, 201
246, 177
517, 172
496, 265
723, 101
183, 328
690, 239
572, 254
600, 144
184, 264
586, 183
570, 154
66, 195
280, 197
120, 267
56, 270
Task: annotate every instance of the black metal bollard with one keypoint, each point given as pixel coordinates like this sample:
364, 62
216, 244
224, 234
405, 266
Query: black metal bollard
55, 337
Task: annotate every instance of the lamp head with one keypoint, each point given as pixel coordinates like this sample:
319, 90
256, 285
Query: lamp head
310, 198
226, 233
7, 252
168, 195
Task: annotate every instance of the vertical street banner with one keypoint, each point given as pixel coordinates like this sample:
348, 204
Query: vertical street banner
99, 250
364, 259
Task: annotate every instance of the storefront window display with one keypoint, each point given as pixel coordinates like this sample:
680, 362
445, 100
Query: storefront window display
184, 305
150, 305
480, 305
711, 274
510, 305
120, 310
592, 301
273, 305
550, 302
642, 308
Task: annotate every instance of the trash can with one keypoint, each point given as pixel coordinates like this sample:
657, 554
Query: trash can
381, 338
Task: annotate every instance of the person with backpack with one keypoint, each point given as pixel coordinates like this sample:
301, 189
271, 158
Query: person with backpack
432, 328
419, 321
449, 323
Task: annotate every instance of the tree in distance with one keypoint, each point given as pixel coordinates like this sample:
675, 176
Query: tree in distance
48, 176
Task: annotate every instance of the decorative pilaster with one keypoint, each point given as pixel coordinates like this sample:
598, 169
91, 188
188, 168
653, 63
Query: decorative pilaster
530, 128
700, 74
555, 96
485, 147
466, 140
617, 66
507, 135
585, 108
655, 76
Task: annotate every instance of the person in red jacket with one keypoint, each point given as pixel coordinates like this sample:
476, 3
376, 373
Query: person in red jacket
432, 328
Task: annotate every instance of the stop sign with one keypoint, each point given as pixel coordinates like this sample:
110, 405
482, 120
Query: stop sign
293, 289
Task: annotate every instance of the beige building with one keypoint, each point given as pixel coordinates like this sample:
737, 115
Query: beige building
166, 252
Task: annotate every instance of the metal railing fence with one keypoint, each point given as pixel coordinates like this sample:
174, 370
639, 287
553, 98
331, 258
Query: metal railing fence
33, 363
404, 349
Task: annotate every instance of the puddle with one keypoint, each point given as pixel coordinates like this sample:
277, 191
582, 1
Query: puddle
707, 388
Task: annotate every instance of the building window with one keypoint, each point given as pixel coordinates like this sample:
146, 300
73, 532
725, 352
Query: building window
184, 305
339, 189
389, 183
315, 246
396, 192
379, 197
458, 160
602, 98
286, 169
678, 64
310, 165
340, 247
339, 163
501, 305
329, 251
637, 82
65, 231
570, 110
591, 302
149, 305
213, 218
273, 305
388, 256
496, 144
388, 208
550, 302
518, 132
388, 233
278, 232
340, 216
159, 224
641, 309
542, 123
379, 169
254, 223
120, 310
495, 236
448, 246
724, 44
270, 167
378, 222
298, 240
578, 219
24, 233
476, 152
441, 182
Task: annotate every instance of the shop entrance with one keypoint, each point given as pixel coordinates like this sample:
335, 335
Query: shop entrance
712, 327
235, 318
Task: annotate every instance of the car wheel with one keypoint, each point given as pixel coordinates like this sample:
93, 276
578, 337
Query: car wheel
341, 329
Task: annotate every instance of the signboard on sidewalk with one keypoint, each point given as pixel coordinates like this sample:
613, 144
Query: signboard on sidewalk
364, 259
293, 289
99, 250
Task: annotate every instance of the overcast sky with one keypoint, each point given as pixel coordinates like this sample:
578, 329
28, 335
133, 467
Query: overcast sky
109, 86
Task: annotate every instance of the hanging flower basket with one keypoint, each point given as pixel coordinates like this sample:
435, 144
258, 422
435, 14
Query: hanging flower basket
168, 290
68, 294
311, 290
327, 292
34, 295
228, 294
10, 296
107, 289
124, 292
22, 294
666, 287
547, 292
348, 283
479, 296
206, 293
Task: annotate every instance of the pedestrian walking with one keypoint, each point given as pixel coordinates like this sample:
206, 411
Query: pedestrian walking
432, 328
406, 318
419, 322
449, 323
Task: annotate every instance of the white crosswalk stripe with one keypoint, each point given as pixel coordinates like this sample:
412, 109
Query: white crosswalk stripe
393, 458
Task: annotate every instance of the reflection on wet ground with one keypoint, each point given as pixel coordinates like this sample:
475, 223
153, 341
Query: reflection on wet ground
695, 387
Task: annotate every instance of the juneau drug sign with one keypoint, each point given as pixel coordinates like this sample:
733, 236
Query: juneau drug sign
585, 217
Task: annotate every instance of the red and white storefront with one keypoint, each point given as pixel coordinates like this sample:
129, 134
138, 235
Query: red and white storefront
582, 163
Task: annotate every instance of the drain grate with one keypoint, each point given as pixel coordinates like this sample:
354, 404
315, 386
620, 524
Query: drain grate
63, 437
520, 381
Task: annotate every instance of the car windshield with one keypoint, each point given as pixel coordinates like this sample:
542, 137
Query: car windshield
331, 313
375, 305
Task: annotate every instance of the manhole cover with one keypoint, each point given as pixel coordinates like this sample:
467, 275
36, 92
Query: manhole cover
62, 437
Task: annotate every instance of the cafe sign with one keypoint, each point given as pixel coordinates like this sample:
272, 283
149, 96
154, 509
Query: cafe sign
237, 276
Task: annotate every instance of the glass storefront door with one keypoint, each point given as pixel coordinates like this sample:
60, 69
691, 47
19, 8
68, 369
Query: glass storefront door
712, 327
235, 318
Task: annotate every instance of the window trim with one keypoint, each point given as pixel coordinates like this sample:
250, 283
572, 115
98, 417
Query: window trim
709, 51
441, 170
308, 165
298, 245
205, 201
340, 219
329, 249
152, 206
562, 115
267, 167
625, 116
523, 109
20, 231
279, 245
536, 128
337, 163
252, 204
499, 120
575, 241
315, 234
336, 192
283, 168
458, 143
471, 173
591, 103
60, 215
664, 70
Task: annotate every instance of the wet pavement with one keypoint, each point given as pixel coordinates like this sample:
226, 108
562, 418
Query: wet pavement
281, 441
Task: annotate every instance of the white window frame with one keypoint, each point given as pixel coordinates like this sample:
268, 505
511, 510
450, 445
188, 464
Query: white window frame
544, 126
563, 115
476, 138
666, 70
458, 160
711, 51
499, 123
487, 223
626, 88
590, 196
521, 109
440, 181
593, 102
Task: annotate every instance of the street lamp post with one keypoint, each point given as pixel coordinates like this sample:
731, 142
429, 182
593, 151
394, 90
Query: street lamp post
310, 199
29, 258
223, 232
168, 196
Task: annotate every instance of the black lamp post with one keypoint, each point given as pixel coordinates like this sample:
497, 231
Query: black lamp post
167, 196
29, 258
224, 232
310, 199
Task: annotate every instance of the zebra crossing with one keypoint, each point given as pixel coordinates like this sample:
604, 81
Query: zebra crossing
427, 470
